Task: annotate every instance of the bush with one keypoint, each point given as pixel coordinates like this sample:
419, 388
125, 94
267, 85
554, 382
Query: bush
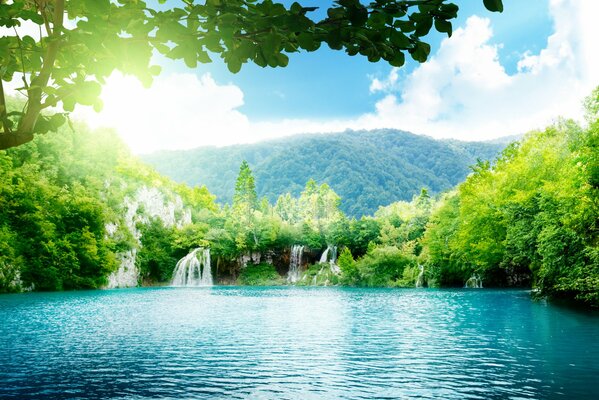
384, 266
259, 275
319, 275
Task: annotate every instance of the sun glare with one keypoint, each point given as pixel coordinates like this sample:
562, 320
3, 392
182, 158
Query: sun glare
178, 111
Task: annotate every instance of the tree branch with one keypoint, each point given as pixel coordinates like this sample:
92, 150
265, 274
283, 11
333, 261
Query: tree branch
38, 83
22, 57
3, 110
8, 140
41, 9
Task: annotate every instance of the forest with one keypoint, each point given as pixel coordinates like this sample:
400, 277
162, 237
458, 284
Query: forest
366, 168
72, 203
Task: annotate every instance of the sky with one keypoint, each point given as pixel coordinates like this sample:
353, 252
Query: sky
499, 74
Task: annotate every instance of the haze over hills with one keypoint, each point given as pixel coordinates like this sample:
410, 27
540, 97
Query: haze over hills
366, 168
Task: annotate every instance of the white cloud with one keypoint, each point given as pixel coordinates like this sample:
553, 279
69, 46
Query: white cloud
178, 111
387, 84
183, 111
463, 91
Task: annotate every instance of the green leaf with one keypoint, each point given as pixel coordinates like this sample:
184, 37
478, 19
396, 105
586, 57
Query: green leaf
449, 10
377, 20
334, 40
88, 92
399, 39
405, 26
421, 51
306, 41
234, 64
260, 60
282, 59
424, 26
271, 44
98, 105
296, 8
399, 59
155, 70
358, 15
443, 26
56, 121
190, 60
97, 7
203, 57
494, 5
32, 16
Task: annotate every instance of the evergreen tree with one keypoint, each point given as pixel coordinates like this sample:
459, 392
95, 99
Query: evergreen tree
245, 198
245, 204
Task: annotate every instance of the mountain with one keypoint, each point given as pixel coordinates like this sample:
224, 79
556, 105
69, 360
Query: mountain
505, 140
366, 168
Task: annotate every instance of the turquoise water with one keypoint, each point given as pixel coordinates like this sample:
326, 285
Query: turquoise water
295, 343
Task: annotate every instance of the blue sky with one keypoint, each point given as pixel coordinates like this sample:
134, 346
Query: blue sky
500, 74
328, 83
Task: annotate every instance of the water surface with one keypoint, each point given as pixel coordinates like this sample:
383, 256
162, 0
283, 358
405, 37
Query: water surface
295, 343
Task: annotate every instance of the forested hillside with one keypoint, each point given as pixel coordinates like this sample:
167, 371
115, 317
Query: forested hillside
531, 218
366, 168
73, 207
78, 211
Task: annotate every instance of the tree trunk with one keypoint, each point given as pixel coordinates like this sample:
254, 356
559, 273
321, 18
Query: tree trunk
24, 132
8, 140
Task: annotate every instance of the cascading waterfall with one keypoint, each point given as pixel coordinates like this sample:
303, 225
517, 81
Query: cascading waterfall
324, 258
194, 269
332, 259
420, 278
325, 255
474, 282
295, 263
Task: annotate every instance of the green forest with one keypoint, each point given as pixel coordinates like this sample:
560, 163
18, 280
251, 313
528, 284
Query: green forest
366, 168
73, 202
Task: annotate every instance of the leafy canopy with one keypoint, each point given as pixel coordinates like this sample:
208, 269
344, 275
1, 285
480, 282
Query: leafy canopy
80, 43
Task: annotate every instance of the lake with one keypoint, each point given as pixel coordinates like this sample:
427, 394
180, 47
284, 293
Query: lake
295, 343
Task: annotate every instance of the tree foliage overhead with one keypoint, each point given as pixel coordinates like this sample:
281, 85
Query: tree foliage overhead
79, 43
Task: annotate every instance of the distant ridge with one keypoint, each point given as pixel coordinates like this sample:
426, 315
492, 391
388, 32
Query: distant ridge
505, 140
366, 168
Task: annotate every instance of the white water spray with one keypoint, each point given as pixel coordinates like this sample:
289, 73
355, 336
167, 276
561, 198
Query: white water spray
325, 255
330, 256
295, 263
193, 269
420, 278
474, 282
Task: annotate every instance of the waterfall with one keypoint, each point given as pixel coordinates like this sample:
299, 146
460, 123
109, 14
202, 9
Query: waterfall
420, 278
474, 282
324, 258
295, 263
332, 259
193, 269
147, 203
325, 255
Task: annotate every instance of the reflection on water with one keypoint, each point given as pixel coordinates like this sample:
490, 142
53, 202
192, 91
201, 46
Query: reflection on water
295, 343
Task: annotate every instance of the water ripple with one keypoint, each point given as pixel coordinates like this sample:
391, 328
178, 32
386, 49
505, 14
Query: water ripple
294, 343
